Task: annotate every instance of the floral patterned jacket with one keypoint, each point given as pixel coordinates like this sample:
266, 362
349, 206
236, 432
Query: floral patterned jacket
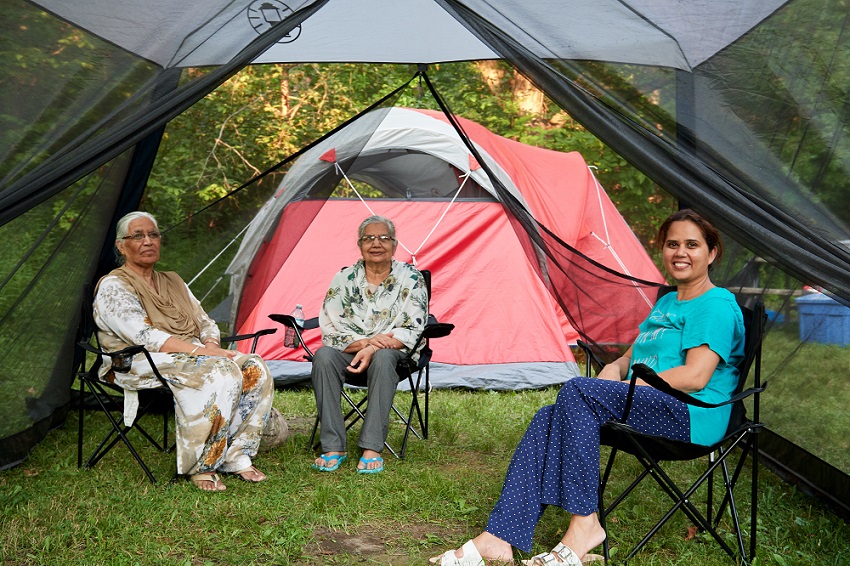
352, 310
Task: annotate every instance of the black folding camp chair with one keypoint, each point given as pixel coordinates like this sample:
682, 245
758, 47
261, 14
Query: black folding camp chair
651, 451
109, 396
405, 369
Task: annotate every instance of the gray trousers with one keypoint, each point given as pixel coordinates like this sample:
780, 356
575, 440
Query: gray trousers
381, 381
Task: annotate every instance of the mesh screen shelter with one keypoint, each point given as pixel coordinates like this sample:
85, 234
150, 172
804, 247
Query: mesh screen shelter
737, 108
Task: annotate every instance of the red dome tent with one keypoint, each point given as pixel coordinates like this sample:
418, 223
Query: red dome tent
487, 277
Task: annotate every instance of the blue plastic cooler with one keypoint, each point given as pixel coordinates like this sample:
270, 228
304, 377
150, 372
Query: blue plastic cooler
823, 319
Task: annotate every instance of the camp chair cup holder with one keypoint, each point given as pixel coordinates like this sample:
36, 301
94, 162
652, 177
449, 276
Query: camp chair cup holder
289, 321
122, 362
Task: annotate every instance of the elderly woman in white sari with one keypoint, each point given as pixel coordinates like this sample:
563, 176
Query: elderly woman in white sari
371, 317
222, 398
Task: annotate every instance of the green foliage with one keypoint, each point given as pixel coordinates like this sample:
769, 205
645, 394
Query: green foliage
255, 120
268, 112
43, 59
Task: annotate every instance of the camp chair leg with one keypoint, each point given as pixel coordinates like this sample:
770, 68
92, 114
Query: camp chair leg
165, 432
356, 408
729, 499
733, 509
311, 443
745, 450
81, 409
414, 407
121, 432
423, 423
682, 501
709, 505
754, 482
427, 399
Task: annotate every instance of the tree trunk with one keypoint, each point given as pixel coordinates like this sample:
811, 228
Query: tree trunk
528, 98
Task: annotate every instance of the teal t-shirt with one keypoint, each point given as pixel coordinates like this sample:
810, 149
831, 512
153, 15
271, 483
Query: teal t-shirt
673, 327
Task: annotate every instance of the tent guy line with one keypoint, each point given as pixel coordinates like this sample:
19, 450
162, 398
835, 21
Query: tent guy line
351, 186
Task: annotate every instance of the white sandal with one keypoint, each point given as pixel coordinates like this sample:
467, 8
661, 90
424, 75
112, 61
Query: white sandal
471, 557
561, 554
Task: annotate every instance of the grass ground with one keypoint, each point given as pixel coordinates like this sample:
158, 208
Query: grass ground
808, 395
53, 513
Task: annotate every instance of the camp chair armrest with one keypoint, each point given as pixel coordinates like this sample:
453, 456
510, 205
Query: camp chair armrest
255, 336
437, 330
128, 351
592, 357
289, 321
88, 347
240, 337
644, 372
433, 329
746, 393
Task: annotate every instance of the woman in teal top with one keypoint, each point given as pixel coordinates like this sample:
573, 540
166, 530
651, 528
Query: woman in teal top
673, 328
693, 338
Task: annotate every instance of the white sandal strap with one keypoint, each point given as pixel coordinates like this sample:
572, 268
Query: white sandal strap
565, 556
471, 556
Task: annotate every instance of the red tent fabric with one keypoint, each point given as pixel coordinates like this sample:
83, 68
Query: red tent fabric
511, 333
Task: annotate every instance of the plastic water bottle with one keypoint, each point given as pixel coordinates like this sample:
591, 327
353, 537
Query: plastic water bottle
290, 339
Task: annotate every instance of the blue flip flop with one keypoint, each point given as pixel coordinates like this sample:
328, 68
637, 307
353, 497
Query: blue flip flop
367, 461
337, 460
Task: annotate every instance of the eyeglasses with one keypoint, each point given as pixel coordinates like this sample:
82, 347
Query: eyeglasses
384, 239
139, 236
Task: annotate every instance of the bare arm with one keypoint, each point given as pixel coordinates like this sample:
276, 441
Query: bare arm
618, 369
700, 363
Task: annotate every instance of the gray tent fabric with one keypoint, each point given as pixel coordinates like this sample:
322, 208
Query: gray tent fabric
210, 32
737, 107
495, 377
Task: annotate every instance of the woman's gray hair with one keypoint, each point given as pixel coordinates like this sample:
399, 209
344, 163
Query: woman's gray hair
375, 219
124, 225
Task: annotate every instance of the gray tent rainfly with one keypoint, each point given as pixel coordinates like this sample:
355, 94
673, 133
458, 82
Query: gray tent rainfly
198, 33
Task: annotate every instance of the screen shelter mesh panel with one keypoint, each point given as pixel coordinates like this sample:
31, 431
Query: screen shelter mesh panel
49, 259
767, 164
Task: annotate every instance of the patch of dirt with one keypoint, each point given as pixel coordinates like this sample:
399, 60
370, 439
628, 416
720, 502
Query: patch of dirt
387, 545
300, 425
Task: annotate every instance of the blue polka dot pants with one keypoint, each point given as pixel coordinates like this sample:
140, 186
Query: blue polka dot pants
557, 460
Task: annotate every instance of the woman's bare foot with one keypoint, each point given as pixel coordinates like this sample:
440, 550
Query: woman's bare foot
491, 547
584, 534
251, 474
207, 482
488, 547
374, 464
330, 458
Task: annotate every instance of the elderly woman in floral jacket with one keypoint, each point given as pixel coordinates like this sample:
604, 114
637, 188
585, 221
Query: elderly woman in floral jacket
222, 398
371, 317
